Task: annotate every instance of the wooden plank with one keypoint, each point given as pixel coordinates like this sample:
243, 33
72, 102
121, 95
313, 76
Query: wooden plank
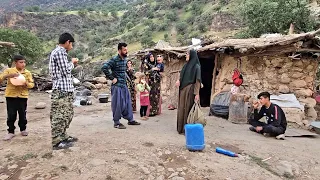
214, 76
238, 109
299, 133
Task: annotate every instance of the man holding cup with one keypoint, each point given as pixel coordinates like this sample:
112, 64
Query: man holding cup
61, 113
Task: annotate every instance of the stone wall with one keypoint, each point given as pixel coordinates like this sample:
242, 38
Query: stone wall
168, 89
277, 75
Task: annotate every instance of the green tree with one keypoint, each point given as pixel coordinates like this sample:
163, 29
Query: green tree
130, 25
114, 14
275, 16
83, 13
182, 27
32, 9
166, 37
173, 16
26, 44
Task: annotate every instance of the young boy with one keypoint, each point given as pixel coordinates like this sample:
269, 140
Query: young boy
276, 120
17, 96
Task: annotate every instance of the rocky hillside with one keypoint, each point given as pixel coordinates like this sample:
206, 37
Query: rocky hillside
49, 5
139, 23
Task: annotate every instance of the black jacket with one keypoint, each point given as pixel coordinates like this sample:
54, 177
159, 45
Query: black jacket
274, 115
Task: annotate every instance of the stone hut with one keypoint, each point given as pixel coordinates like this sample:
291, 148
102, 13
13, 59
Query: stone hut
281, 65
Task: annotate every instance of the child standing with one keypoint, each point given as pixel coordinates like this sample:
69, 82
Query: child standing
144, 89
17, 96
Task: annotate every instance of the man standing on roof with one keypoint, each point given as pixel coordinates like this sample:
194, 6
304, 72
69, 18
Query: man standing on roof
276, 124
115, 70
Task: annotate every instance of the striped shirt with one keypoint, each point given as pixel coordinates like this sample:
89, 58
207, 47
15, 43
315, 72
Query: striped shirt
60, 70
116, 68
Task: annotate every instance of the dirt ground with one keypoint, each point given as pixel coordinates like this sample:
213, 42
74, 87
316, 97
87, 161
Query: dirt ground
153, 150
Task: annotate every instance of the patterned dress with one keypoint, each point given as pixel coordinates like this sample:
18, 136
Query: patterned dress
131, 87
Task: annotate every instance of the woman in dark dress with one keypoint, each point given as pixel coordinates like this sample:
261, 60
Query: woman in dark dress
154, 81
131, 85
189, 87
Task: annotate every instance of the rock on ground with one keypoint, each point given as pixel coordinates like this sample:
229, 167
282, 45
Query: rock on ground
287, 169
40, 105
89, 85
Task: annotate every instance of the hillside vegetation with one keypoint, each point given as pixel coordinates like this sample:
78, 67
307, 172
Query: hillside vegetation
98, 25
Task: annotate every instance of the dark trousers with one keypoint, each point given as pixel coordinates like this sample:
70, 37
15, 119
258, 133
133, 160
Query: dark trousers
15, 105
121, 104
267, 128
143, 111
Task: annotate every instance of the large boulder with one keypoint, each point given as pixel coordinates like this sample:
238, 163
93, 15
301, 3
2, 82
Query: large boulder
309, 102
89, 85
294, 115
298, 84
100, 80
303, 93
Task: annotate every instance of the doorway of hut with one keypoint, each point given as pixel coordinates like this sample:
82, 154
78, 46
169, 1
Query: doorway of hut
207, 66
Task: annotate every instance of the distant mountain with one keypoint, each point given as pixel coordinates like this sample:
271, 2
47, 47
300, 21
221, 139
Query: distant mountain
49, 5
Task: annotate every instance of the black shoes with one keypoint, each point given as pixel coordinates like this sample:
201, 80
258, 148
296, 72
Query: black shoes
134, 123
62, 145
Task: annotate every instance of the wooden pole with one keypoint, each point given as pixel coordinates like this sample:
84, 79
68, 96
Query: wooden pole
214, 76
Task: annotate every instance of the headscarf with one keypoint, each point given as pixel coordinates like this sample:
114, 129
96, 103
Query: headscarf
191, 72
152, 64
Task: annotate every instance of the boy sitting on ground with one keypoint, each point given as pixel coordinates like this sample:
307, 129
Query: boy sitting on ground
276, 122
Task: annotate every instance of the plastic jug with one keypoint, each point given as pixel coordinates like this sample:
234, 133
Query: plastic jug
194, 137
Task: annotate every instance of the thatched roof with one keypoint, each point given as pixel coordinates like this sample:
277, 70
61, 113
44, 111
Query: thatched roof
8, 44
306, 42
295, 43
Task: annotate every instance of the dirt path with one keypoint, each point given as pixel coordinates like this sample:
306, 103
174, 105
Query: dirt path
151, 151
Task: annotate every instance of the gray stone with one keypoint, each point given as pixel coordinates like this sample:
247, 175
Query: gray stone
99, 86
160, 169
297, 75
4, 177
170, 169
40, 105
101, 80
298, 63
133, 163
182, 173
308, 79
312, 113
89, 85
14, 166
173, 175
185, 169
298, 84
145, 170
284, 89
303, 93
309, 102
285, 79
167, 152
179, 169
309, 67
122, 152
287, 169
177, 178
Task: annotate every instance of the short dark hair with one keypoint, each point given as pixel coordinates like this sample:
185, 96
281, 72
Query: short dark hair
122, 44
65, 37
264, 94
18, 57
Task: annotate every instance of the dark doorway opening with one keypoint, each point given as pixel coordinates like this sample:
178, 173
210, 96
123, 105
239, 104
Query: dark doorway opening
207, 66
